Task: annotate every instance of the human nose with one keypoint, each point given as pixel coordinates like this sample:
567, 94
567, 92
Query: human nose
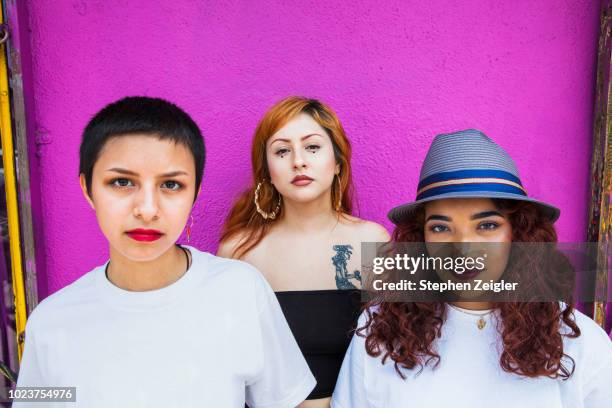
462, 241
298, 160
146, 206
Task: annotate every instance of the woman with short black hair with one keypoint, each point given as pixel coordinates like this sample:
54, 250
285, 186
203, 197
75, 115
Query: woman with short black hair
159, 324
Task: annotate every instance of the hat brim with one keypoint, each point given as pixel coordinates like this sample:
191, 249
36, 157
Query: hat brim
401, 212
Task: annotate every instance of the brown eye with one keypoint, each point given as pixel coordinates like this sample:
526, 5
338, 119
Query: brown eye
172, 185
438, 228
489, 225
282, 152
121, 182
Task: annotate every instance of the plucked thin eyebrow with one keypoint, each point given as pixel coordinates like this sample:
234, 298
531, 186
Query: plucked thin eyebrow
287, 140
133, 173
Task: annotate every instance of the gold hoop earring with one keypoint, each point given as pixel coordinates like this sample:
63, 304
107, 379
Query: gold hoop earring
338, 205
265, 215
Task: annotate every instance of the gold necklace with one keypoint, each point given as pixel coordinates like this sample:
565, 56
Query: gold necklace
481, 323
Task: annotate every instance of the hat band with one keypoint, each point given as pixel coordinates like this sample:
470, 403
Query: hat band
474, 184
468, 174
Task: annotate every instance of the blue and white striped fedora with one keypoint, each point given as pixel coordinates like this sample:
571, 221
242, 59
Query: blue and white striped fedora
467, 164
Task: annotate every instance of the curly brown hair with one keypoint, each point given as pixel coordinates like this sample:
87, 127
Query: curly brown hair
531, 332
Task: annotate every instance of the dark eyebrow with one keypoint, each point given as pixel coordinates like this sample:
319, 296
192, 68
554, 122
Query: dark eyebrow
133, 173
302, 139
486, 214
175, 173
122, 171
438, 218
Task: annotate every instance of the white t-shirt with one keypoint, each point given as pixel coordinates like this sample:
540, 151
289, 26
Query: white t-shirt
215, 338
469, 374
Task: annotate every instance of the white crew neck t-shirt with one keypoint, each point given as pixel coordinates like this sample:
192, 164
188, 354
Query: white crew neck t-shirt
215, 338
469, 374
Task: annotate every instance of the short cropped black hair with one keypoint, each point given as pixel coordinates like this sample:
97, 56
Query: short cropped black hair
140, 115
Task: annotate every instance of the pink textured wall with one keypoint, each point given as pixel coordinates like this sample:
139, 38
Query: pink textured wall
396, 72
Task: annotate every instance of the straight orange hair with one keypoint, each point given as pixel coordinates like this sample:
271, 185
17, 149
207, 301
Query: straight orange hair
243, 217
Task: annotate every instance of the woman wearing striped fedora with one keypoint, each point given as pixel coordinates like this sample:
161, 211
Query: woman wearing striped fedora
474, 353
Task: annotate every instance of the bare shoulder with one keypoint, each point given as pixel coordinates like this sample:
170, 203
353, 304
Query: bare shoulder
367, 231
228, 247
255, 256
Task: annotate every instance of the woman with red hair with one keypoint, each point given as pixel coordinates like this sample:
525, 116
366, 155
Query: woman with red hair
474, 353
295, 225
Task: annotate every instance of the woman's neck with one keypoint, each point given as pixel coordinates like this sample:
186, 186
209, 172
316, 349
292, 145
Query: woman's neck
137, 276
314, 216
474, 305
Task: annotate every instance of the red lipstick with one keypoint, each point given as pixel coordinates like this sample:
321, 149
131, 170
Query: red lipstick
301, 180
144, 235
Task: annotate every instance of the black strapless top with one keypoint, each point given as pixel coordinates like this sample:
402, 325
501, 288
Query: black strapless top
322, 322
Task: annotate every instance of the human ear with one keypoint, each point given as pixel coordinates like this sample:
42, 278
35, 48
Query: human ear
83, 184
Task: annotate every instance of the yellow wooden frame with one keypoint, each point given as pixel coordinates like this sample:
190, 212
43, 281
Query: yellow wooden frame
10, 186
600, 210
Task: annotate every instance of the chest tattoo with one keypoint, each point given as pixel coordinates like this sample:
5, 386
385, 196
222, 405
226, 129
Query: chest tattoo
340, 261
